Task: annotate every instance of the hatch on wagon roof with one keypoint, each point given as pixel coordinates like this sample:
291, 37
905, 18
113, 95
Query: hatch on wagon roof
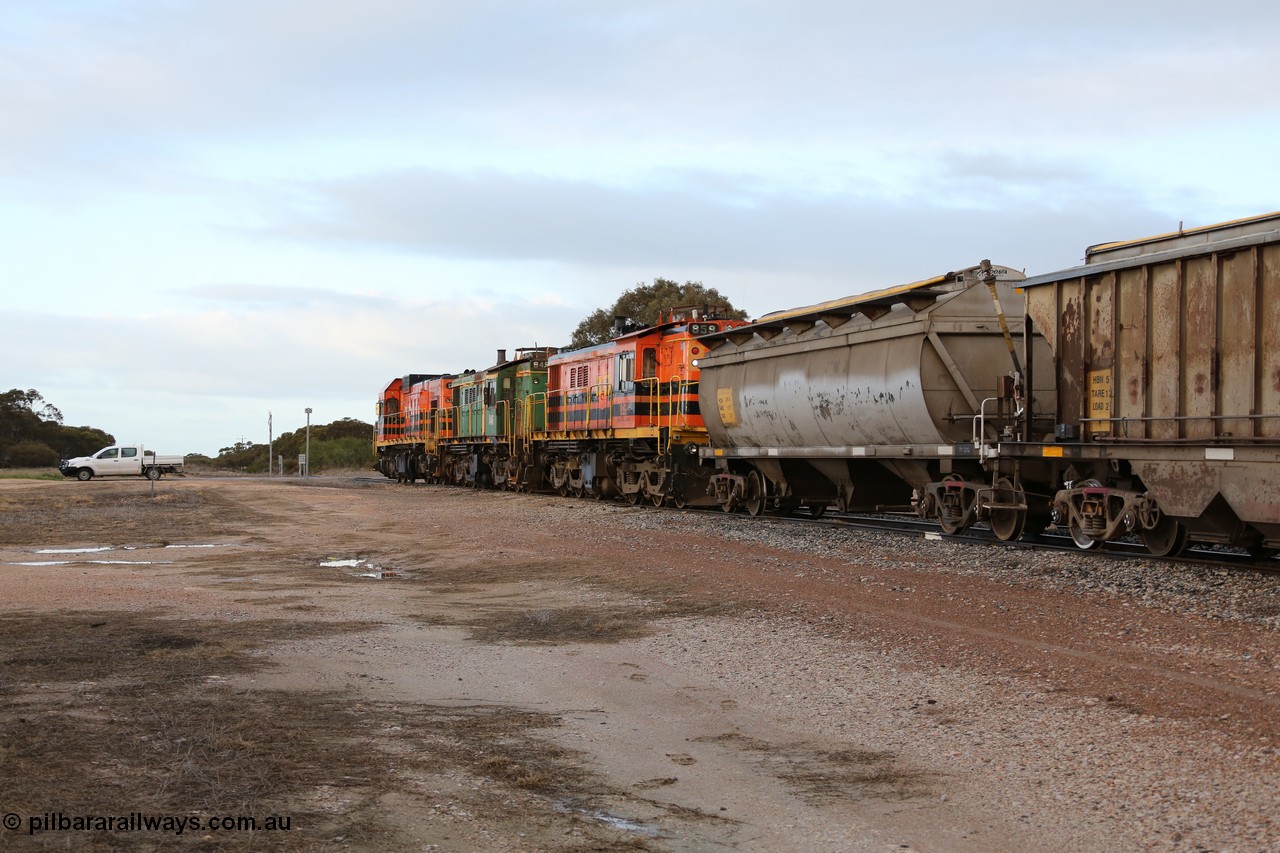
917, 296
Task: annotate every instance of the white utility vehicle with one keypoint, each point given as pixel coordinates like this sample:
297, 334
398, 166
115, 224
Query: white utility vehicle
121, 460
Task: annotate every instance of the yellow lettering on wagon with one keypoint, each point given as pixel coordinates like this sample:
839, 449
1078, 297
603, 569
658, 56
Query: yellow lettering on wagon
724, 400
1099, 400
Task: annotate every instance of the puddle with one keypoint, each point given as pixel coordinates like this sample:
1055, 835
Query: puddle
371, 570
75, 550
608, 819
100, 548
93, 562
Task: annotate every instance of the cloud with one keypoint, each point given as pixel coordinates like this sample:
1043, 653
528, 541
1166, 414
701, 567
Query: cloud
697, 221
184, 376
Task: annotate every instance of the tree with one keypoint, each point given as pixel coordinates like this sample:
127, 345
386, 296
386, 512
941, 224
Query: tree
643, 303
31, 454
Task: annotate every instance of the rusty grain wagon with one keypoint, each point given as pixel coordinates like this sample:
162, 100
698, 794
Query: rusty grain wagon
1167, 367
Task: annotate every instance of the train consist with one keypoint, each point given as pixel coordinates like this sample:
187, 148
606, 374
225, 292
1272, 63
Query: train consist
1136, 394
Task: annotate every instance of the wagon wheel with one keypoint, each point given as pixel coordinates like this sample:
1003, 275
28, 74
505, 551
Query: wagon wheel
1008, 524
818, 510
657, 498
952, 526
754, 500
678, 500
1167, 539
1083, 540
577, 491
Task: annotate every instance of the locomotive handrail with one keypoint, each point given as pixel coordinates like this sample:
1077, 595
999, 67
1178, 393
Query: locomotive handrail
530, 402
605, 394
652, 393
503, 425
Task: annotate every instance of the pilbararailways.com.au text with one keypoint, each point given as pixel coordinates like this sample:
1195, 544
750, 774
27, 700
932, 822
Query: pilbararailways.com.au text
140, 822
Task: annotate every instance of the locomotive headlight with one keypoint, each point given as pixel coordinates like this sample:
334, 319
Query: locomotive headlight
694, 362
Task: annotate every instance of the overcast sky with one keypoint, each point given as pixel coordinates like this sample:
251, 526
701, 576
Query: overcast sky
213, 209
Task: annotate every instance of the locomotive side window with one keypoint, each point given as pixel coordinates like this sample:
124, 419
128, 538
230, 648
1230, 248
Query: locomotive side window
649, 364
626, 371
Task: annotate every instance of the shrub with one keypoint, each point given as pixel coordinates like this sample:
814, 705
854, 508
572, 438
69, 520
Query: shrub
31, 454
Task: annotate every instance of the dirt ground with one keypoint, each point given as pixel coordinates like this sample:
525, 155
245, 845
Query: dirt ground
388, 667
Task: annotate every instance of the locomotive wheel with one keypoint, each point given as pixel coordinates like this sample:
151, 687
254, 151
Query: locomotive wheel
633, 498
577, 491
1008, 524
678, 501
1083, 540
657, 498
1167, 539
754, 501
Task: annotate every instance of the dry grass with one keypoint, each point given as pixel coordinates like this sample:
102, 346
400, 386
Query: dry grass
117, 514
30, 474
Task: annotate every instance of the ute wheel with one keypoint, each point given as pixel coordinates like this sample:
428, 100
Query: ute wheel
1008, 524
153, 474
1083, 540
754, 501
84, 475
1167, 539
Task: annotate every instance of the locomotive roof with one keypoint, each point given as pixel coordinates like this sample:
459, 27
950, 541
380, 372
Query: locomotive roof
1222, 237
657, 328
875, 304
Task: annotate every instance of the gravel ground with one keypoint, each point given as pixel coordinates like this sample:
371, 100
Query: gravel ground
1004, 700
1050, 753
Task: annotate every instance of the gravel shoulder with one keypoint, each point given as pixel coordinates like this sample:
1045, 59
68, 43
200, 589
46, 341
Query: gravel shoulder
514, 672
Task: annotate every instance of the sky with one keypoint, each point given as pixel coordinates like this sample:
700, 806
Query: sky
216, 210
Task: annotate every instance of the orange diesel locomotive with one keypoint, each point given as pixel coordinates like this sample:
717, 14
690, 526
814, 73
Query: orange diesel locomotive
617, 419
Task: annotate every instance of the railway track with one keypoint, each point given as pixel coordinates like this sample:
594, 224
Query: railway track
980, 535
1048, 541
